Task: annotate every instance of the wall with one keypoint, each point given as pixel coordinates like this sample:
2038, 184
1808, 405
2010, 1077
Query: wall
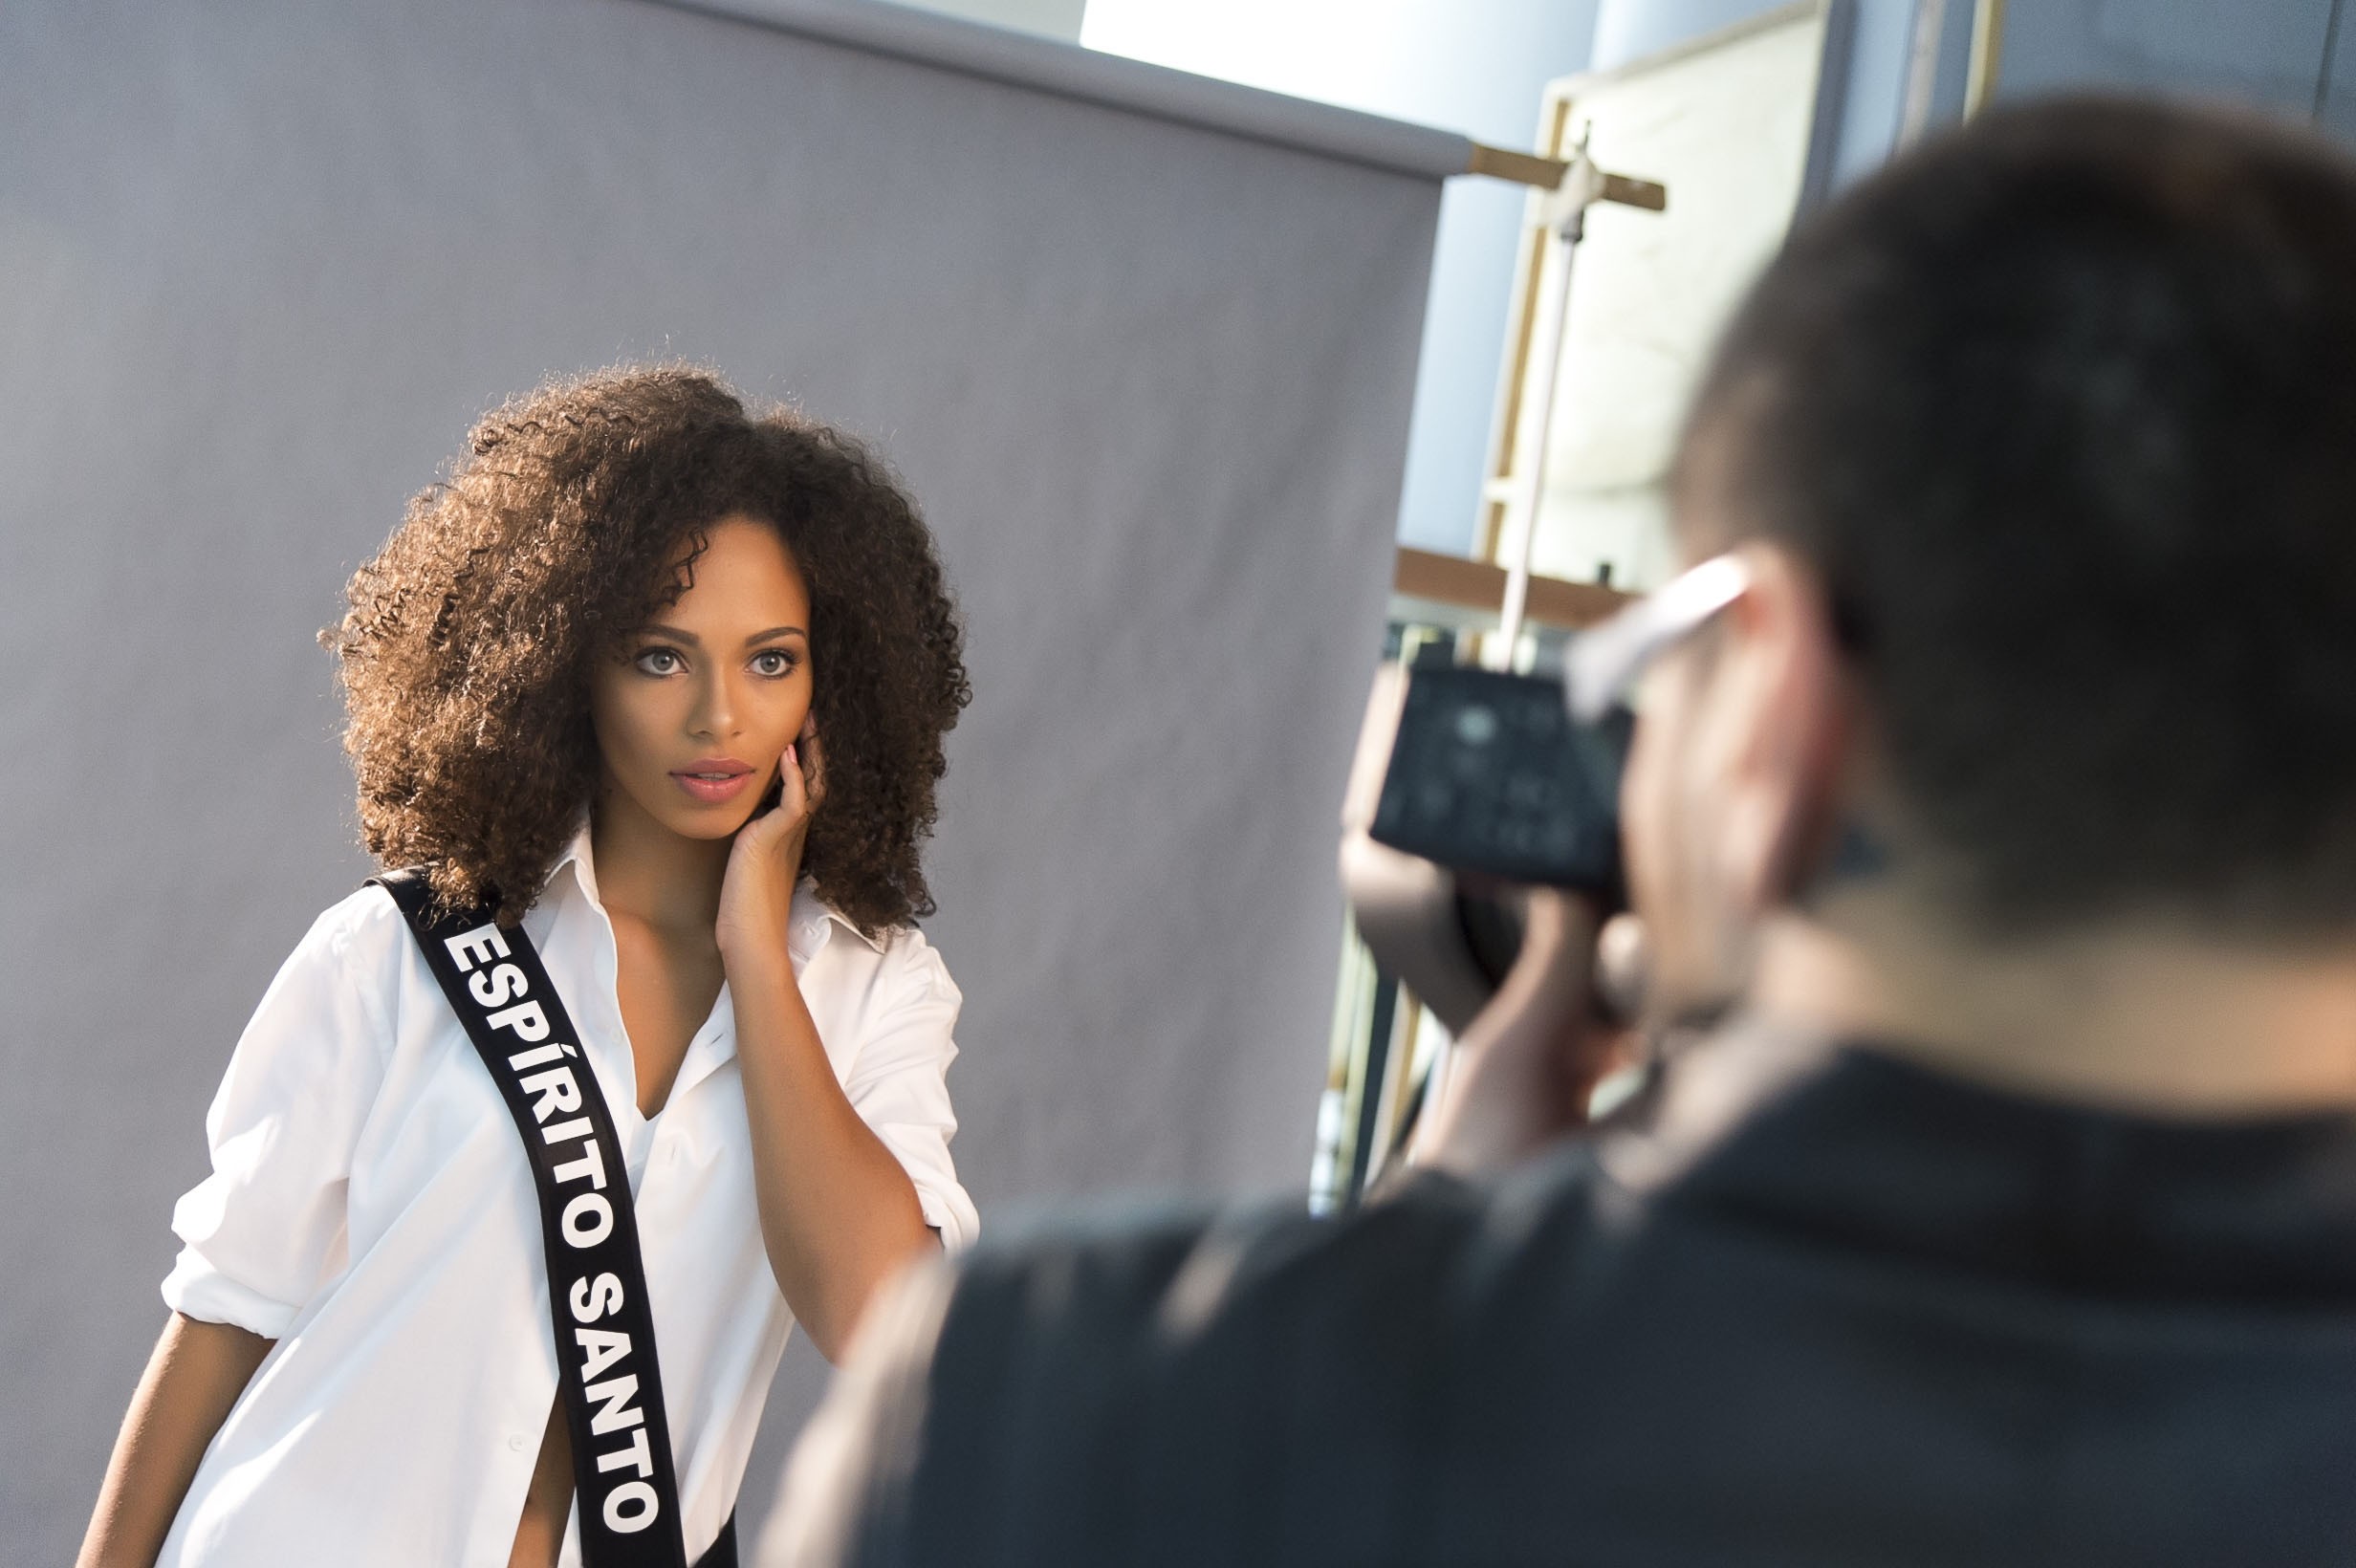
2287, 56
2268, 54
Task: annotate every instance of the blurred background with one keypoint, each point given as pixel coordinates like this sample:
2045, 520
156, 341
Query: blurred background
1217, 374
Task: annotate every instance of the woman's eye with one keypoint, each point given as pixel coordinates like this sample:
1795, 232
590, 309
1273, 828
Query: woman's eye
660, 661
774, 661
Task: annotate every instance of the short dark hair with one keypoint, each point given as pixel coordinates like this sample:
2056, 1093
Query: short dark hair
2063, 407
574, 515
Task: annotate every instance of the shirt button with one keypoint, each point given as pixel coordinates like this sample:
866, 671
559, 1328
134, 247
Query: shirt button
515, 1442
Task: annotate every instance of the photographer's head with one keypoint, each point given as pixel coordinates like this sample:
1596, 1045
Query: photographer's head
2040, 448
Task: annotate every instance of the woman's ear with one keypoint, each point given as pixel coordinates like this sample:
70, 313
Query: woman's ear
1783, 701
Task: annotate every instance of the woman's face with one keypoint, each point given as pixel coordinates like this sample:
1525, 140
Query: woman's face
696, 707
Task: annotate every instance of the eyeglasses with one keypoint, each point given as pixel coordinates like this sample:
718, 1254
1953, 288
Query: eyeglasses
1601, 664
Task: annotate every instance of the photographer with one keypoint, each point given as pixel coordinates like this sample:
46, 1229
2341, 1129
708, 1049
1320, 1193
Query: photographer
1995, 792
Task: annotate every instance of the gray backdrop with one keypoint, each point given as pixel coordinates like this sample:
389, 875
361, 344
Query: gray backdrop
261, 265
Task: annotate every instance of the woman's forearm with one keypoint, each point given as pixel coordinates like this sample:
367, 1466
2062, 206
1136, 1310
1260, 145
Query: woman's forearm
839, 1215
192, 1380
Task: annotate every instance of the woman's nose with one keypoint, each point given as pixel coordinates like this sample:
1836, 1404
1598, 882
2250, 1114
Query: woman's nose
715, 712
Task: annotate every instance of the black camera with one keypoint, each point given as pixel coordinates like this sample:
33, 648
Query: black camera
1489, 775
1465, 776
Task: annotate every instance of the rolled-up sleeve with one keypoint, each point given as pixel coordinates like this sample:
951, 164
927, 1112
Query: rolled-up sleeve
899, 1083
266, 1229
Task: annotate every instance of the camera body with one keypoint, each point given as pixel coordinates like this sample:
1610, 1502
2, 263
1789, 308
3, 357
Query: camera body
1466, 776
1488, 775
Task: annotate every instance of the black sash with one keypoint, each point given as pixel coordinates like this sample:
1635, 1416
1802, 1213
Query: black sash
597, 1285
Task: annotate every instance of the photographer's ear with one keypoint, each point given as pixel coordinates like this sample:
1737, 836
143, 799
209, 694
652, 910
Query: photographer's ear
1780, 704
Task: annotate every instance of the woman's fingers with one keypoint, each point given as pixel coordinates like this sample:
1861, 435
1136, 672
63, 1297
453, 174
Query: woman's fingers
800, 786
814, 765
793, 789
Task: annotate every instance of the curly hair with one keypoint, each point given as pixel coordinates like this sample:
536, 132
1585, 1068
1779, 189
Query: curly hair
575, 515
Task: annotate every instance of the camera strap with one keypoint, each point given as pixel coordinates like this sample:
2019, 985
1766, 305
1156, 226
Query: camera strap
622, 1480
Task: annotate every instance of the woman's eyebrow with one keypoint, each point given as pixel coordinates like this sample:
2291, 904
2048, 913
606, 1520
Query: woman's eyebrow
679, 634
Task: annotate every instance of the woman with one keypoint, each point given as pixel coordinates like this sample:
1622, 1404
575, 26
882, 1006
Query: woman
667, 683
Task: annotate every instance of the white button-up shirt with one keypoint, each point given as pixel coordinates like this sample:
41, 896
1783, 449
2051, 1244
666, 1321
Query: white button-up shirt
370, 1209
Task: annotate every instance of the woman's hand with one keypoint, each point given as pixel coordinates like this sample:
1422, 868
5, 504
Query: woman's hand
839, 1214
757, 893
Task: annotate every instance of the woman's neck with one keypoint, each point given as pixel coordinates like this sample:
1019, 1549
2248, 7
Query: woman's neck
648, 872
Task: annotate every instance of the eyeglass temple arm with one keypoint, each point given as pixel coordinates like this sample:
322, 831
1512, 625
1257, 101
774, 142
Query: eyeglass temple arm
1603, 661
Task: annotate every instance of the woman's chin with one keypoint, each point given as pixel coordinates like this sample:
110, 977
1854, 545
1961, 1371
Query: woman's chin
708, 826
715, 829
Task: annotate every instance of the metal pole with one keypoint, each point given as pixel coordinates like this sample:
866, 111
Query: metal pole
1922, 76
1576, 185
1987, 53
1564, 211
1522, 522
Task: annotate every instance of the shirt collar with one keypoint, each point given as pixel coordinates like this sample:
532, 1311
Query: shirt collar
809, 925
1867, 1153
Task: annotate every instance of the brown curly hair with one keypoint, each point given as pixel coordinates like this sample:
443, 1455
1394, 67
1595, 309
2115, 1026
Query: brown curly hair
575, 515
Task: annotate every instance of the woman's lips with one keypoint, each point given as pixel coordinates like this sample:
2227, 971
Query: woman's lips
715, 782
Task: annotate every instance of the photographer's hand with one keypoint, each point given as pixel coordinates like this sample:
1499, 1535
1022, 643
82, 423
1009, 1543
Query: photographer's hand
1522, 1073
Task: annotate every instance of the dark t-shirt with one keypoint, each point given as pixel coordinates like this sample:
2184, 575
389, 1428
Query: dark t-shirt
1808, 1307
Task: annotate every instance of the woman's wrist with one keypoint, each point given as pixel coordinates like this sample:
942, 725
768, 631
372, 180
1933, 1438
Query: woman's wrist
755, 920
755, 962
